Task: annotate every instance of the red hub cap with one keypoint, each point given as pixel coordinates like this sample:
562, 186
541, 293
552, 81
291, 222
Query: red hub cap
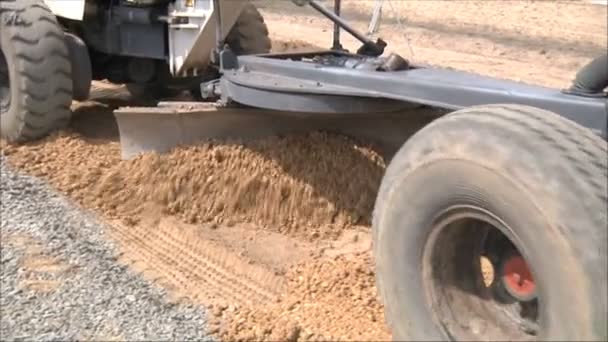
517, 278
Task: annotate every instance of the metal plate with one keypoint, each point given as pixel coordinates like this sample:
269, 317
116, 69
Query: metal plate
160, 129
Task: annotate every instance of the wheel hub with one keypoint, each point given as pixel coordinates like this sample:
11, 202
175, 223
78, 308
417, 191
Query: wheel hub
5, 85
517, 278
497, 301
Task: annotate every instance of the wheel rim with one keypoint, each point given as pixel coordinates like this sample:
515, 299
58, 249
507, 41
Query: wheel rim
478, 283
5, 85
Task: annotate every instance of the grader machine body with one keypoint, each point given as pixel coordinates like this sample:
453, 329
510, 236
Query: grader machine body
516, 174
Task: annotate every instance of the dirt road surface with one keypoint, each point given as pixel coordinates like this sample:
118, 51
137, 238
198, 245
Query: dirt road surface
537, 42
273, 236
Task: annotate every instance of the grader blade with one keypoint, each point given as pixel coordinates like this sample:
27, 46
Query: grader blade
160, 129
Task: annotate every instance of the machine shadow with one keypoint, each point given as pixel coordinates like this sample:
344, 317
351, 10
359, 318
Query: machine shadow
93, 120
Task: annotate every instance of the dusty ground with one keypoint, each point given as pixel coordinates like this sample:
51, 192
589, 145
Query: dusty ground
538, 42
274, 234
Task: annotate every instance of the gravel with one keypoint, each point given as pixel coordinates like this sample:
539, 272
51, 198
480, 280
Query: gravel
47, 240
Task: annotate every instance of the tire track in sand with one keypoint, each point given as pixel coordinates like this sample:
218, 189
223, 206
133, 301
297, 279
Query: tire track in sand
193, 267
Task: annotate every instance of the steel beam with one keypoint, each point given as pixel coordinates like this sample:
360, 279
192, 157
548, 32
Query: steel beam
301, 86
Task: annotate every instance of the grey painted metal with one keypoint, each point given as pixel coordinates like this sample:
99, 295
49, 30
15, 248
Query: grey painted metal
127, 31
142, 41
309, 87
374, 23
336, 43
219, 36
291, 94
159, 129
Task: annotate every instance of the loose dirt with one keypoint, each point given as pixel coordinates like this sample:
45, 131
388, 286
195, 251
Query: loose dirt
323, 291
293, 45
312, 186
272, 234
537, 42
329, 300
195, 268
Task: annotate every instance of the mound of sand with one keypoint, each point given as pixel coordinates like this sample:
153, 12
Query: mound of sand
329, 300
312, 185
308, 187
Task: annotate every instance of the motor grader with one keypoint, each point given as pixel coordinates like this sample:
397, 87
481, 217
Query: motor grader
515, 174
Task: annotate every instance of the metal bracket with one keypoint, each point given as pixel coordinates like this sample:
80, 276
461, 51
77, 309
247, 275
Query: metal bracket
369, 48
337, 45
228, 59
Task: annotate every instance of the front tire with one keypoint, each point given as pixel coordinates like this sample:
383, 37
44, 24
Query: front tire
39, 85
478, 183
249, 35
82, 70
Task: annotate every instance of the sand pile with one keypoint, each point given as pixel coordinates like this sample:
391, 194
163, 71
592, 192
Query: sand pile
327, 300
307, 187
303, 185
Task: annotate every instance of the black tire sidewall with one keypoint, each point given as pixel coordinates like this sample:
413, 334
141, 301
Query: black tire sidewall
40, 71
82, 71
9, 121
244, 40
406, 219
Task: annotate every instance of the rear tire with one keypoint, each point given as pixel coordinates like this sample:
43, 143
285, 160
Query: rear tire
33, 47
541, 178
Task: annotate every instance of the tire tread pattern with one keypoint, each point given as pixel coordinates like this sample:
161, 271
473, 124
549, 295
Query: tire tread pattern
568, 153
250, 33
43, 70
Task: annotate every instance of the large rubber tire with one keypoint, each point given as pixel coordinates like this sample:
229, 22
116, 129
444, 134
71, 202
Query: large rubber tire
82, 70
249, 35
544, 176
33, 44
